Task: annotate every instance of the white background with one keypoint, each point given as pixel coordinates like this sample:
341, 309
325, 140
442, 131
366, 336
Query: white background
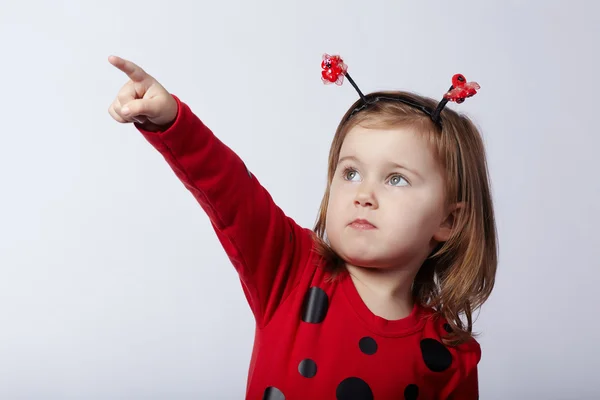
112, 283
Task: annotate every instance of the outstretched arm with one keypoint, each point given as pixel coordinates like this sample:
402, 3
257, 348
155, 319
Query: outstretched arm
267, 248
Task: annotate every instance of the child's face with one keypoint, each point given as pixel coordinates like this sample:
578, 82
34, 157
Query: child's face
405, 202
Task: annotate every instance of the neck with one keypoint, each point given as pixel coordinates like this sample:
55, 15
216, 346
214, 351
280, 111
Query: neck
387, 292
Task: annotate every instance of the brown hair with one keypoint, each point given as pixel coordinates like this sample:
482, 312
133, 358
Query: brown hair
458, 276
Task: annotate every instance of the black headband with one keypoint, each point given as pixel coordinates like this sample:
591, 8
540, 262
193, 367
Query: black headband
334, 71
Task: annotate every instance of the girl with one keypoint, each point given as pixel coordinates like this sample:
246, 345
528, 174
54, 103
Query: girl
372, 303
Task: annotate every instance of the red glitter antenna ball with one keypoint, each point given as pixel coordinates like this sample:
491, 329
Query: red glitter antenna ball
461, 89
334, 69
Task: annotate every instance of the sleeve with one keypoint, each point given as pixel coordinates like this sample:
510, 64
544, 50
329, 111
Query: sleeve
466, 383
267, 248
468, 388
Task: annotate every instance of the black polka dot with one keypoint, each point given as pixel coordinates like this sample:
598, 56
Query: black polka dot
436, 356
307, 368
411, 392
368, 345
353, 389
272, 393
447, 327
315, 305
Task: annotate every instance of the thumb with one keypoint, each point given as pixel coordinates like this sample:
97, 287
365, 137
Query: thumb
137, 107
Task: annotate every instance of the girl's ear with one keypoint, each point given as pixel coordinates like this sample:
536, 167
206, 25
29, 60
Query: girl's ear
449, 224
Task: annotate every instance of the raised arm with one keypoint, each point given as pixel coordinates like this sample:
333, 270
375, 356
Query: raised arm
267, 248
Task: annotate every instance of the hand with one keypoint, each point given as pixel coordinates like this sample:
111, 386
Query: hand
142, 99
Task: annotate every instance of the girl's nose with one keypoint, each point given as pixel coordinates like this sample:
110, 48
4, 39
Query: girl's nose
365, 197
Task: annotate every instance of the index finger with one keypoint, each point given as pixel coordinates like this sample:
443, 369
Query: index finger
133, 71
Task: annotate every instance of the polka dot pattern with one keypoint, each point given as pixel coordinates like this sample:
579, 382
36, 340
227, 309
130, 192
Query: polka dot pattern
314, 310
411, 392
368, 345
315, 306
353, 389
272, 393
435, 355
307, 368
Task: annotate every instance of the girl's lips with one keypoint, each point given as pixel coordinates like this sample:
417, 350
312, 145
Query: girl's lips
362, 224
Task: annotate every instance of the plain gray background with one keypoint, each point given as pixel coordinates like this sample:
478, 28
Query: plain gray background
112, 283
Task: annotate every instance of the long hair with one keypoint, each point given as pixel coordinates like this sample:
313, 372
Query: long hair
458, 276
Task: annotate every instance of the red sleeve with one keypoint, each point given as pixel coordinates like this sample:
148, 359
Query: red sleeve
266, 247
466, 382
468, 388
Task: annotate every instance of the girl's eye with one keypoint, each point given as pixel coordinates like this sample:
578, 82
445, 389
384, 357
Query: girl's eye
350, 174
397, 180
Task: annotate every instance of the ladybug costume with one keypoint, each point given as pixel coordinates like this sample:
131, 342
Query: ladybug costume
315, 337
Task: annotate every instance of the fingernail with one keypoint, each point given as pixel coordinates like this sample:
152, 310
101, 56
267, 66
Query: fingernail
125, 110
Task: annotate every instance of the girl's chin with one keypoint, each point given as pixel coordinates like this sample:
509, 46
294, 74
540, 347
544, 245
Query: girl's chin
368, 259
361, 260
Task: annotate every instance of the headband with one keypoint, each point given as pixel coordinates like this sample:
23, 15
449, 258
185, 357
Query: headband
334, 71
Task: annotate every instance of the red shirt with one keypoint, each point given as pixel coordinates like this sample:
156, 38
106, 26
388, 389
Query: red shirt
315, 339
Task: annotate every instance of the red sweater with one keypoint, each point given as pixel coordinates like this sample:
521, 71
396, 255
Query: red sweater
315, 339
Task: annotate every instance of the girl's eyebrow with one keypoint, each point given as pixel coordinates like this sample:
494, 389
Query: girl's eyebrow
391, 163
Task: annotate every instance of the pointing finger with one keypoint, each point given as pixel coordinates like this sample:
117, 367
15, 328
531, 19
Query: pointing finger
133, 71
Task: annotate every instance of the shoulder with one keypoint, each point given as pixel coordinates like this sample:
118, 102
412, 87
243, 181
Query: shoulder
439, 356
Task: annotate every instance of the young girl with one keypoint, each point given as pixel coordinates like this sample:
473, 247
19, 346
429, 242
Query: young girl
372, 303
